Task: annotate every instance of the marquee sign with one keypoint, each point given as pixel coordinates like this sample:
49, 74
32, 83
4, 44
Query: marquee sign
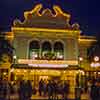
95, 64
47, 63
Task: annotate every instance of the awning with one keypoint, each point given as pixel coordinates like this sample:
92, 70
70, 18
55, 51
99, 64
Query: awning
26, 66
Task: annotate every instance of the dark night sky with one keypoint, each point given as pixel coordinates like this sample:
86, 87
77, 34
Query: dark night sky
85, 12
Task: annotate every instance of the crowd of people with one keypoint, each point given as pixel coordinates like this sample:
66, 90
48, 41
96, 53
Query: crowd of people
94, 89
24, 89
47, 88
53, 88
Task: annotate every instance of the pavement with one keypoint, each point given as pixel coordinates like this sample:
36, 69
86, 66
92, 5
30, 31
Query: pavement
70, 96
37, 97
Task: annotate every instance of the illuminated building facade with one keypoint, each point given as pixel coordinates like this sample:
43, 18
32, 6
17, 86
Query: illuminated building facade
47, 46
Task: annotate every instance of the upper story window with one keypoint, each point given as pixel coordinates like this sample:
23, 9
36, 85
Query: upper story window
34, 48
46, 49
59, 50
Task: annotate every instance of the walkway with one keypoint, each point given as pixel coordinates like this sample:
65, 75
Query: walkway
36, 97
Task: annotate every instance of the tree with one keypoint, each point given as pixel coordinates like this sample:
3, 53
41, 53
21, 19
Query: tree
94, 50
6, 50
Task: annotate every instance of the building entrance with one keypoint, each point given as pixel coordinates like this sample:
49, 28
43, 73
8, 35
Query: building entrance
35, 75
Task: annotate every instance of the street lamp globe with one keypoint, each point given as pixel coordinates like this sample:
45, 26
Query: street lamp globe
14, 57
96, 58
80, 59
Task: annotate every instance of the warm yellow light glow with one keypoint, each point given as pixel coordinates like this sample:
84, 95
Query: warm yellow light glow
25, 71
48, 72
82, 72
86, 40
4, 73
43, 29
59, 11
12, 70
37, 8
14, 57
18, 71
96, 58
80, 58
57, 62
32, 71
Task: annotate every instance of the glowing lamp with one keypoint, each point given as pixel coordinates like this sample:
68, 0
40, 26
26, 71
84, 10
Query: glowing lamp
80, 58
96, 58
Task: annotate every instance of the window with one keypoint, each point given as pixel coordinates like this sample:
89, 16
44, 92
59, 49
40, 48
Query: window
59, 50
34, 48
46, 48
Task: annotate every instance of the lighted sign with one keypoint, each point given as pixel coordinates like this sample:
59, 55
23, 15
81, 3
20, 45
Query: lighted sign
95, 64
48, 62
49, 65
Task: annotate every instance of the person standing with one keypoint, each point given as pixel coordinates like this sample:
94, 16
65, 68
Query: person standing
65, 90
55, 90
29, 90
95, 90
50, 90
22, 90
25, 90
44, 88
4, 89
40, 87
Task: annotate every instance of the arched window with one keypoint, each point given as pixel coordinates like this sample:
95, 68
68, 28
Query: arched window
34, 49
46, 48
59, 50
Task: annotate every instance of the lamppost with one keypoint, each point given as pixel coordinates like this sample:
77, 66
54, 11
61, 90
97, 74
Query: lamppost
14, 59
96, 58
78, 80
95, 64
80, 61
11, 74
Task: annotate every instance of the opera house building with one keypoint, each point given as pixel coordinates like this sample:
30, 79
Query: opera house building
47, 46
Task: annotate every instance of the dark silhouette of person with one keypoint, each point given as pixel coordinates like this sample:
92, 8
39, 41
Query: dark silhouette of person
25, 90
40, 87
95, 90
65, 90
4, 87
55, 89
44, 88
22, 90
29, 90
50, 90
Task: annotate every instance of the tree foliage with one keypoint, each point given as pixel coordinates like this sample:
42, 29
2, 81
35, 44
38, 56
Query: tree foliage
6, 51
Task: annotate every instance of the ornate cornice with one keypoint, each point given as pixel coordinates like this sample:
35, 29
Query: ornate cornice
46, 19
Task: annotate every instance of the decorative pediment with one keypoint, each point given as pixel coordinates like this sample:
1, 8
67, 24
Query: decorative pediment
46, 19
